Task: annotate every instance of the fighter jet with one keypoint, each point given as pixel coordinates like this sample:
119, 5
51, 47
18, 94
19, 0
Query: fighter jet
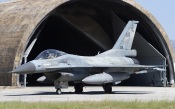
114, 65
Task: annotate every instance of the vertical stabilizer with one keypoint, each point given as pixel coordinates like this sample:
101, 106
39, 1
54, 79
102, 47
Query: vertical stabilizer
126, 38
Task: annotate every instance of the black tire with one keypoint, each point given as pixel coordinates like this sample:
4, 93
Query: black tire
78, 87
107, 88
58, 91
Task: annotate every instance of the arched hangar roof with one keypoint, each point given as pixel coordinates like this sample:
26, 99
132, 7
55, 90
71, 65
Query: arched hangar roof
20, 20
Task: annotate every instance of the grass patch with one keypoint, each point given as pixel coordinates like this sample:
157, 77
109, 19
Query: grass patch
89, 105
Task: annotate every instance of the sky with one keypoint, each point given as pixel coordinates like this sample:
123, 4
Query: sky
4, 0
162, 10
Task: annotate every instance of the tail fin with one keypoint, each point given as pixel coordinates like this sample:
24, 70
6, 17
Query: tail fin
126, 38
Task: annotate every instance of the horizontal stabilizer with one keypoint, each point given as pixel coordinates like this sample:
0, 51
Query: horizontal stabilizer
150, 70
160, 69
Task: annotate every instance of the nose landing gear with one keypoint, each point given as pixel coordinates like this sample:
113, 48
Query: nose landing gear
59, 85
58, 91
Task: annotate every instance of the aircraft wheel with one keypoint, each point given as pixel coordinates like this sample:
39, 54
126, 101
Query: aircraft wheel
58, 91
78, 88
107, 88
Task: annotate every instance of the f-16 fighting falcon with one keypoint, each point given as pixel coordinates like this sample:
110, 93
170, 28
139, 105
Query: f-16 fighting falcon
112, 66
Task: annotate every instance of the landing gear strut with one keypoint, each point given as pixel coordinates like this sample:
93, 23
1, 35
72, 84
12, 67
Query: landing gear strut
107, 88
59, 85
58, 91
78, 87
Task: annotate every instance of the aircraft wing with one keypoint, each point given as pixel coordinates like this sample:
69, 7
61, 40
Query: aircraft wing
133, 66
139, 68
125, 66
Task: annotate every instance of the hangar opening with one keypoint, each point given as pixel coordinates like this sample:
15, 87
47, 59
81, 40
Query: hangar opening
91, 26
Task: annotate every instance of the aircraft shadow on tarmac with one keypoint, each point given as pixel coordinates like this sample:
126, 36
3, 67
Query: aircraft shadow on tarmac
87, 93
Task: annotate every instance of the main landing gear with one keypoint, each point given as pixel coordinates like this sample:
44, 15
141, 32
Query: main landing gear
78, 87
107, 88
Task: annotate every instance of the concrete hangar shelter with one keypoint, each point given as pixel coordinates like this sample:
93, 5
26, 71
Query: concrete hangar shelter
82, 27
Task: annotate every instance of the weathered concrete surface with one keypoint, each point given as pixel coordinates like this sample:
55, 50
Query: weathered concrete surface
47, 94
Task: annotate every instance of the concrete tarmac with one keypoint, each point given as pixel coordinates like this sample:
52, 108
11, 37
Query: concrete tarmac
95, 93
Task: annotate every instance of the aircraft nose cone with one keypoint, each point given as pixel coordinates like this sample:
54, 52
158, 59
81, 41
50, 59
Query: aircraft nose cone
25, 68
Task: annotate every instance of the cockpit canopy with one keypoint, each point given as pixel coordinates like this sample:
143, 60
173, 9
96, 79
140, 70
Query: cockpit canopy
49, 54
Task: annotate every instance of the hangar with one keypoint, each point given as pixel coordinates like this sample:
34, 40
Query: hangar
83, 27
